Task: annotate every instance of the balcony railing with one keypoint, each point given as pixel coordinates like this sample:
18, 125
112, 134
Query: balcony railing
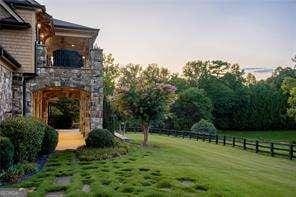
63, 58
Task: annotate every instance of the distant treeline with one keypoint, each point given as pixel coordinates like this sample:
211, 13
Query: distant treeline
214, 90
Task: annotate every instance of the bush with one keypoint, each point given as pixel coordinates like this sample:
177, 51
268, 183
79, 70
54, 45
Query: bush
6, 153
92, 154
26, 135
50, 140
100, 138
204, 126
12, 174
15, 172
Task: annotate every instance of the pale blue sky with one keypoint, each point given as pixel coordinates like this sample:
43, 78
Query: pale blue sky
251, 33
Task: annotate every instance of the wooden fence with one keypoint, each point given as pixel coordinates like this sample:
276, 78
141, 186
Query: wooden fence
258, 146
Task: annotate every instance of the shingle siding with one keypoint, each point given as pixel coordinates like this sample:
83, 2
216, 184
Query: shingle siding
21, 44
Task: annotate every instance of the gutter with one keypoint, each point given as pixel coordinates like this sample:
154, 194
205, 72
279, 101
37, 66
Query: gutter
8, 58
14, 25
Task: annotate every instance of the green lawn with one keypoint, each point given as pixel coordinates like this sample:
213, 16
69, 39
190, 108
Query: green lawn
281, 136
171, 167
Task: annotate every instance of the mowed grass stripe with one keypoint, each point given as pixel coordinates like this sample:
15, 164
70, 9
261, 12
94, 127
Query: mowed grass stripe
233, 166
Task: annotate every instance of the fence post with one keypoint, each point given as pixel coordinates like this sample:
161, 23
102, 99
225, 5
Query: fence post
271, 149
190, 135
175, 133
233, 141
210, 138
183, 134
203, 137
217, 138
257, 146
196, 136
245, 147
224, 140
291, 151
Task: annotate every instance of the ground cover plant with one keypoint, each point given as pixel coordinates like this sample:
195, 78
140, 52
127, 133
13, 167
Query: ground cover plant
169, 167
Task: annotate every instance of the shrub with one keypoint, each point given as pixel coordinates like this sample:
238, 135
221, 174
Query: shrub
12, 174
100, 138
6, 153
26, 135
15, 172
92, 154
204, 126
50, 140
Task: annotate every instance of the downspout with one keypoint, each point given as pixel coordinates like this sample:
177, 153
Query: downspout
24, 89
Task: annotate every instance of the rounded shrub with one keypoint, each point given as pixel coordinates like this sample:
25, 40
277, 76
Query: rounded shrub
6, 153
50, 140
204, 126
100, 138
26, 135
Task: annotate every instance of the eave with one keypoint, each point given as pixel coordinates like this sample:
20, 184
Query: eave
7, 58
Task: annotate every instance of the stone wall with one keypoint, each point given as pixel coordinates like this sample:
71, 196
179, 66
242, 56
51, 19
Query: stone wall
5, 92
89, 80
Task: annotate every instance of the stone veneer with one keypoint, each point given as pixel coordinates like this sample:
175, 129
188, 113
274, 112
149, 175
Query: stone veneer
5, 92
89, 80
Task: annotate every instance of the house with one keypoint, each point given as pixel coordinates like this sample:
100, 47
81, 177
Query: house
43, 59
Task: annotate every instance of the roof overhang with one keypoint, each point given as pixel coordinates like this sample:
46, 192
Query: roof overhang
7, 58
25, 4
14, 21
13, 25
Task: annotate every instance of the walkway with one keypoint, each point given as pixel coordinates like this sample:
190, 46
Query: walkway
70, 139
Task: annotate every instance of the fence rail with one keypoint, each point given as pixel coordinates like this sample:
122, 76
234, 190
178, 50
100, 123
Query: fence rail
263, 146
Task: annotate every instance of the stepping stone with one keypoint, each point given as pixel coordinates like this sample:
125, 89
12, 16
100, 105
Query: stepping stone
187, 183
13, 192
63, 180
86, 188
55, 194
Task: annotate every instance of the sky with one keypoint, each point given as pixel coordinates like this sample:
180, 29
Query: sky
258, 35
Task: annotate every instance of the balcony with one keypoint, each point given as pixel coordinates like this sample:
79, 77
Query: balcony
60, 58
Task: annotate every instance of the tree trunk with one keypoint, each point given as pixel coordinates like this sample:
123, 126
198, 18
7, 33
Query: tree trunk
145, 130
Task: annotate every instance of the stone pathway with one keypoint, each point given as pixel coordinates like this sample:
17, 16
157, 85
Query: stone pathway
63, 180
55, 194
86, 188
13, 192
70, 139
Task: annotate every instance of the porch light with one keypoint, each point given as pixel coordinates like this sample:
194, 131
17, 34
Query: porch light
39, 25
42, 36
73, 45
83, 57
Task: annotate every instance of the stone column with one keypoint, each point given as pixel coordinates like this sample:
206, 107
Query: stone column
96, 94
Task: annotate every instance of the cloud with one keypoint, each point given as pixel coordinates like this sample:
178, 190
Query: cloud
260, 72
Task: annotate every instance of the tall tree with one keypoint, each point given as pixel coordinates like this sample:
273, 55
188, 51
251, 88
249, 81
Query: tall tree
289, 87
191, 106
111, 73
140, 97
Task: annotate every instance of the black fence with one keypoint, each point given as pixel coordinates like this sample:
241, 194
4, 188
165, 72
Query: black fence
258, 146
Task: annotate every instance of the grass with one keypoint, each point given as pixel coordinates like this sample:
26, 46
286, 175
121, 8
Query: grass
170, 167
281, 136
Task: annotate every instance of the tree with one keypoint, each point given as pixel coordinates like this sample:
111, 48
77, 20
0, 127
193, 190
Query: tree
294, 60
195, 71
250, 79
111, 73
140, 97
191, 106
180, 83
63, 113
289, 87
